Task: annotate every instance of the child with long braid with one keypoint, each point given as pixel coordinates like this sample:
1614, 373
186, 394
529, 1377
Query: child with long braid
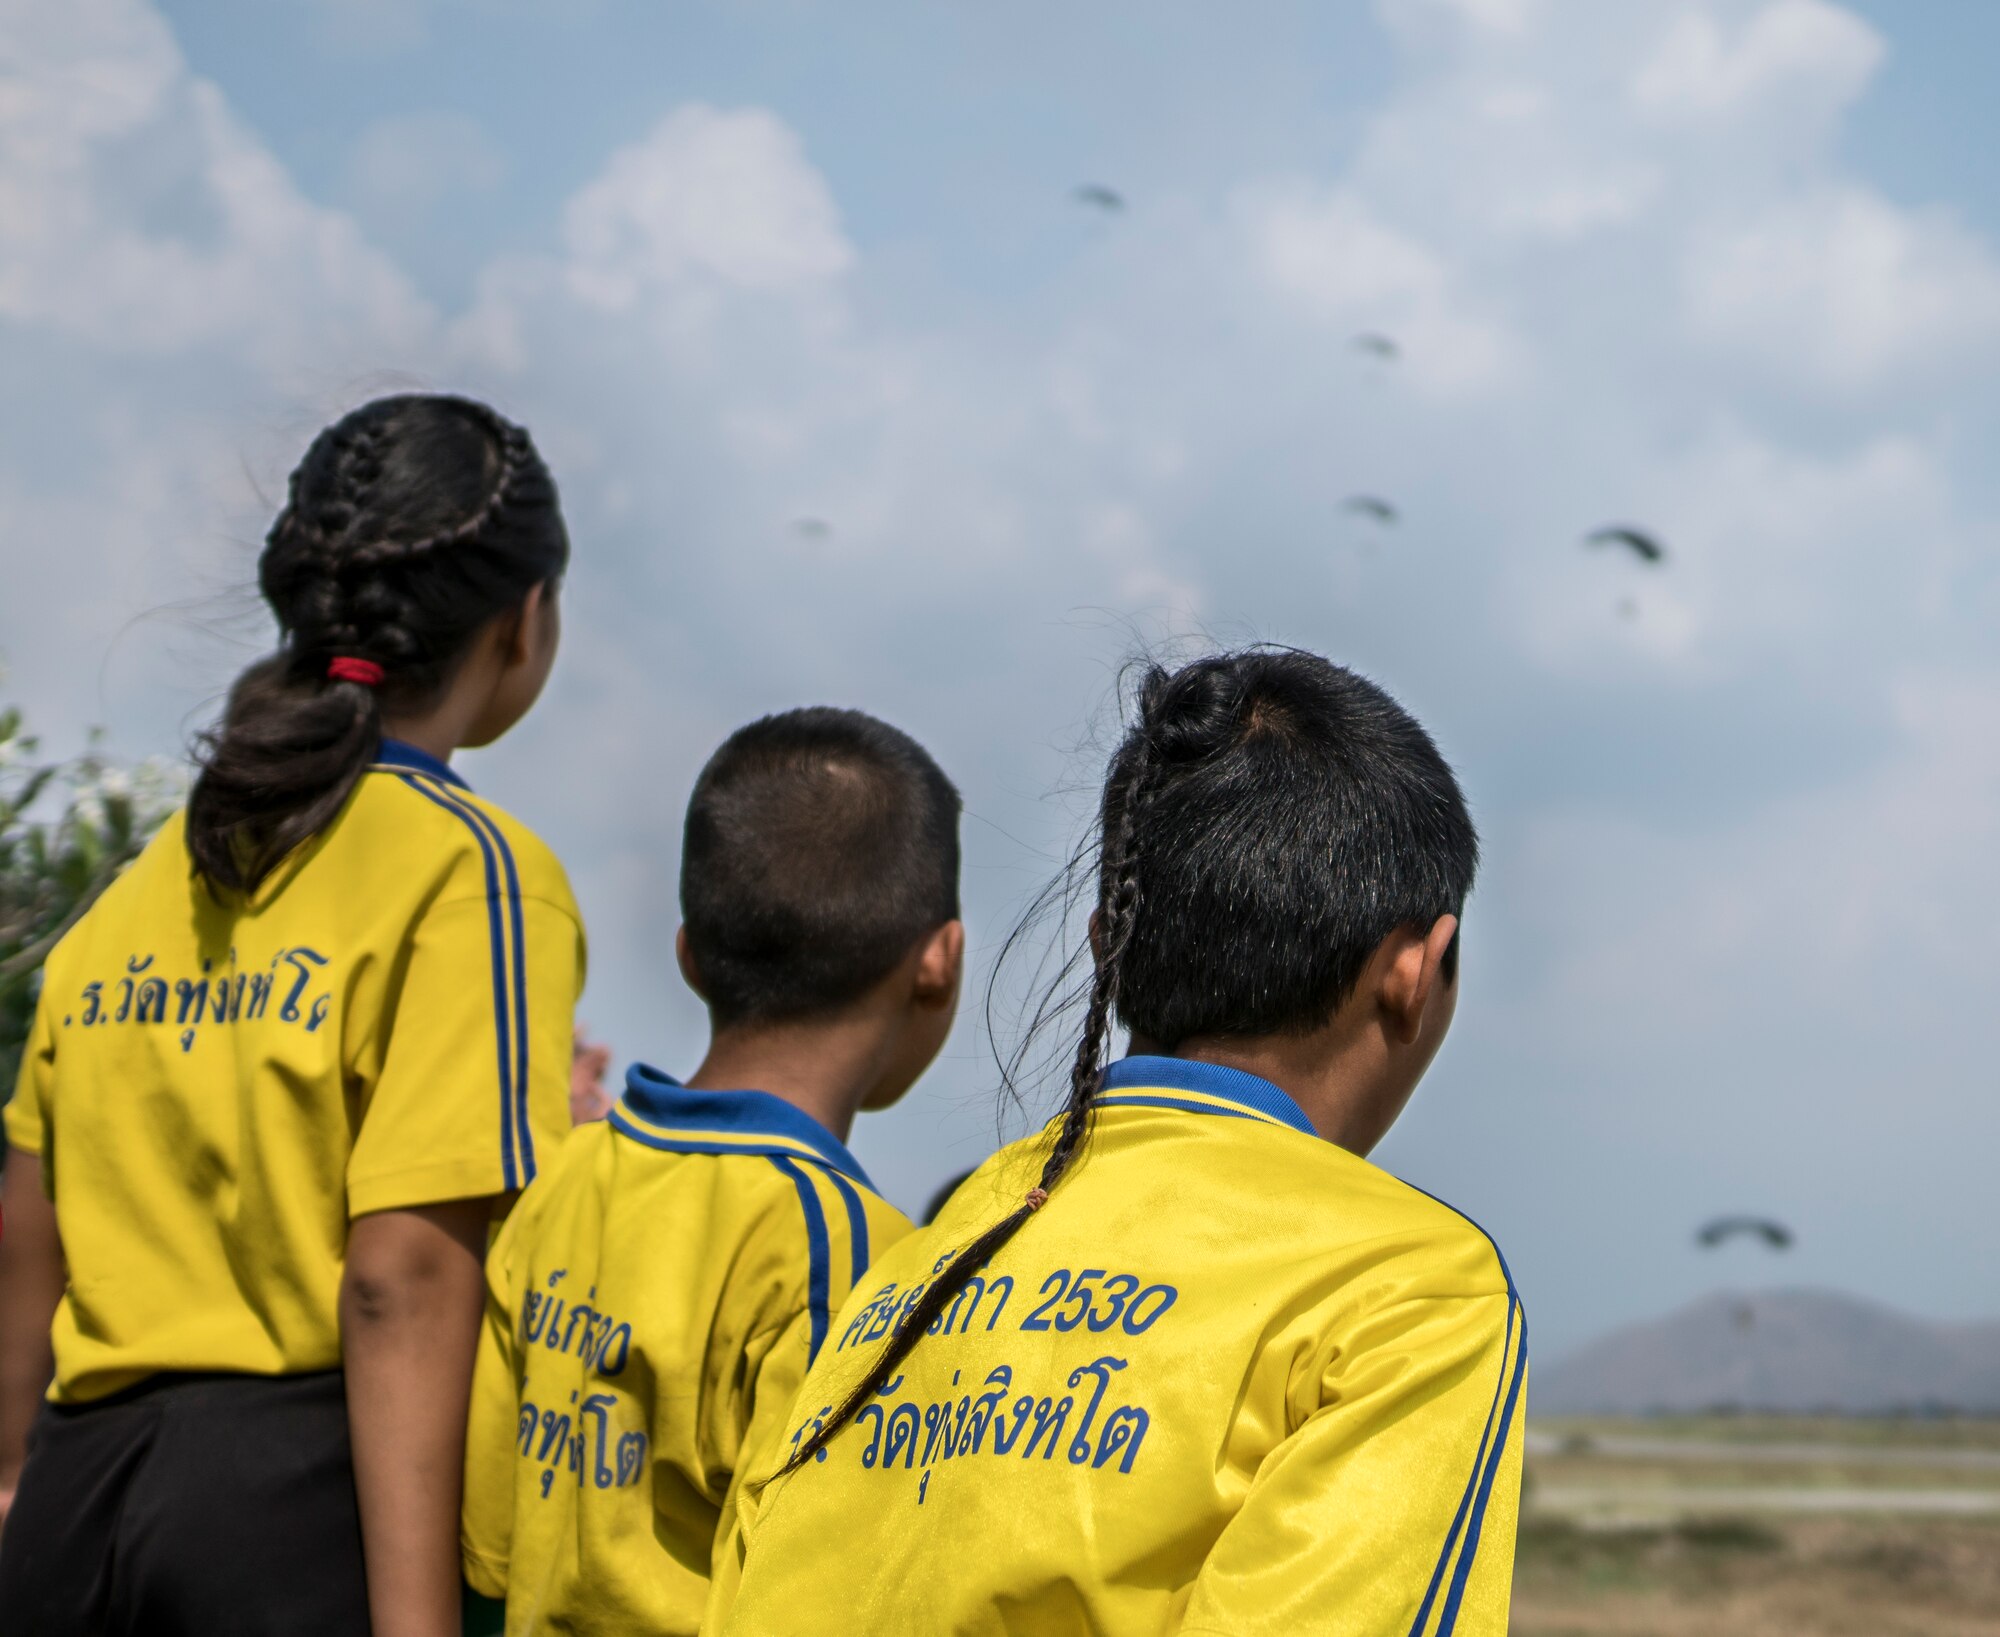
284, 1075
1185, 1361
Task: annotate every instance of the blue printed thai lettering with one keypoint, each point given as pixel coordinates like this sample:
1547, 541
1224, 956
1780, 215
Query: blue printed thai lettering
873, 1452
885, 1309
632, 1458
585, 1312
152, 1001
618, 1337
318, 1014
304, 961
812, 1427
937, 1430
192, 993
261, 984
555, 1433
525, 1433
598, 1407
1079, 1446
1005, 1437
1003, 1287
984, 1407
552, 1337
977, 1288
93, 997
902, 1439
1049, 1418
126, 986
857, 1325
1124, 1429
534, 1315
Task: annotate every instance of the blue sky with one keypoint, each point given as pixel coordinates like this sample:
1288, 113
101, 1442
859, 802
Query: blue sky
1724, 267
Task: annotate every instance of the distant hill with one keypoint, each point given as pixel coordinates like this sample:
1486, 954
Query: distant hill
1788, 1351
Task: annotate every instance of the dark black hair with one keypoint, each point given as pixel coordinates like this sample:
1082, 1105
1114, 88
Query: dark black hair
820, 845
411, 522
1268, 819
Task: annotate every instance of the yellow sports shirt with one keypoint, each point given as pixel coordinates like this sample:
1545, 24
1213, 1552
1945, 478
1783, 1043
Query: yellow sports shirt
216, 1086
1230, 1379
655, 1301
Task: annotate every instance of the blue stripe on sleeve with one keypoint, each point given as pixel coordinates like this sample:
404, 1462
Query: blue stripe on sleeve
1479, 1482
1449, 1618
857, 1227
1471, 1482
522, 1125
818, 1252
509, 1168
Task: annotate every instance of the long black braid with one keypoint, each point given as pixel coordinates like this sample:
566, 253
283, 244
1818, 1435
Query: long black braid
1118, 898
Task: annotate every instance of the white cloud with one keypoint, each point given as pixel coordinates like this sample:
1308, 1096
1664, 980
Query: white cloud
1841, 287
137, 213
708, 195
1800, 51
1339, 264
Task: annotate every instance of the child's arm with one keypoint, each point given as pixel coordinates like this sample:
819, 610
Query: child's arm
410, 1305
1391, 1509
31, 1284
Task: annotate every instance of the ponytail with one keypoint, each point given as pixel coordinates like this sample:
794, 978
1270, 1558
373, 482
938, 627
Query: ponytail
1111, 934
278, 770
410, 523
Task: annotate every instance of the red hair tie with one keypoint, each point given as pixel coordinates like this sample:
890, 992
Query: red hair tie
347, 669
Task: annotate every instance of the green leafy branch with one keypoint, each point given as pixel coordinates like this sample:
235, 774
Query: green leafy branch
66, 830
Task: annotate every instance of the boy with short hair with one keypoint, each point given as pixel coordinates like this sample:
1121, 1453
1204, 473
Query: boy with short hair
657, 1295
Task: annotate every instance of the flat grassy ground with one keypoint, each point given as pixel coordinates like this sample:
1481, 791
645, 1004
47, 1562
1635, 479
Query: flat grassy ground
1760, 1527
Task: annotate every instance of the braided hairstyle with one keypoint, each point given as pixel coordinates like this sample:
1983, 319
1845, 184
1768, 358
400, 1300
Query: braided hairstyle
1268, 819
411, 523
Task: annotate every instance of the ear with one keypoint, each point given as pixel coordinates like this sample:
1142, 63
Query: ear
690, 973
940, 966
1414, 975
522, 622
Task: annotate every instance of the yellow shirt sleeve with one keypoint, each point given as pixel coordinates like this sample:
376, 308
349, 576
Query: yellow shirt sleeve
486, 1520
1395, 1501
473, 1089
774, 1387
27, 1114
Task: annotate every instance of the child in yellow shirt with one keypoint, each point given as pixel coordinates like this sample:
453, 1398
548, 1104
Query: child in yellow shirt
657, 1297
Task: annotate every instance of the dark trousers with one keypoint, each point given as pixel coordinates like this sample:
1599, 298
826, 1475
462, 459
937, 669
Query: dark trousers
219, 1505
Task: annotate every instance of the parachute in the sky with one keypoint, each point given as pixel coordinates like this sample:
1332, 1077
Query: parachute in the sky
1643, 545
1378, 345
1722, 1229
1371, 506
1099, 197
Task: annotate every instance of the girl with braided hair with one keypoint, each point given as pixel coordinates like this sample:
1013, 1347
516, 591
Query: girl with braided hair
1185, 1361
284, 1075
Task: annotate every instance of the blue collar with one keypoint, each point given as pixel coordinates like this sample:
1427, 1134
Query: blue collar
1226, 1085
408, 758
659, 1106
